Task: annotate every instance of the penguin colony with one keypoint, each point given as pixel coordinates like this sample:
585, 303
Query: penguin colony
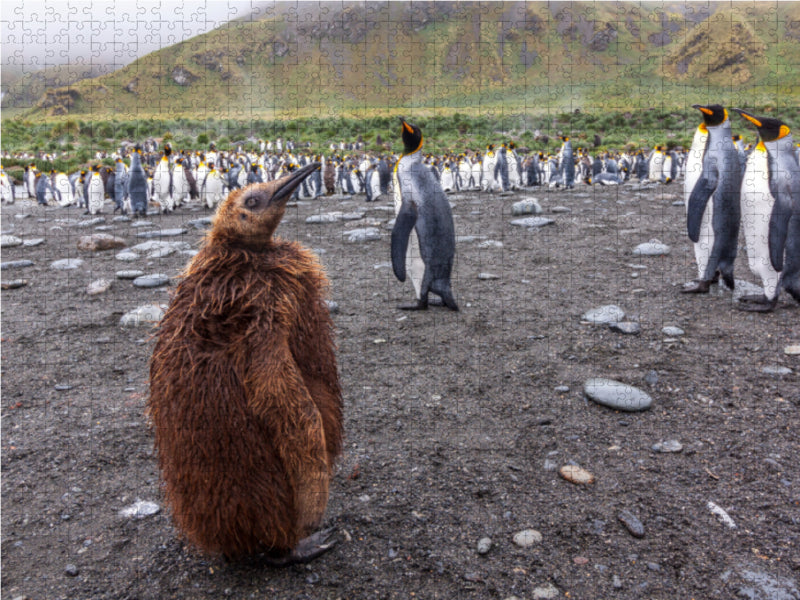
244, 392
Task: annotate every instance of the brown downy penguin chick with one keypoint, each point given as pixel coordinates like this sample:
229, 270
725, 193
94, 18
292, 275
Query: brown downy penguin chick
244, 392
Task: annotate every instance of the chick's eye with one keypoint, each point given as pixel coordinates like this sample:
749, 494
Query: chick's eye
251, 202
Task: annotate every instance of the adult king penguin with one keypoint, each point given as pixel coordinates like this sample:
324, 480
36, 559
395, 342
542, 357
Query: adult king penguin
771, 212
244, 393
712, 191
423, 219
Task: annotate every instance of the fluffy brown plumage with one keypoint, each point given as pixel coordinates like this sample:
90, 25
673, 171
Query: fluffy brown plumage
244, 391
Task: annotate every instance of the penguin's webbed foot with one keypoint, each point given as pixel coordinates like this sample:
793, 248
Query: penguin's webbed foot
418, 305
696, 287
757, 303
307, 549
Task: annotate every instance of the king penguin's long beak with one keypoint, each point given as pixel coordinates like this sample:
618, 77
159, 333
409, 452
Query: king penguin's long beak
289, 183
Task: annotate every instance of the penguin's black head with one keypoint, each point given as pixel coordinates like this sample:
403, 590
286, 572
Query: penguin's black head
412, 137
713, 114
769, 129
251, 215
167, 149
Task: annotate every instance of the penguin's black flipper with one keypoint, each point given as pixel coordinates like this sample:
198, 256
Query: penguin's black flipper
779, 229
404, 223
698, 200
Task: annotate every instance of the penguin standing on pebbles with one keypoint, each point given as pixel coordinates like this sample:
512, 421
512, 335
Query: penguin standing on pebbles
422, 209
771, 213
244, 392
136, 187
712, 189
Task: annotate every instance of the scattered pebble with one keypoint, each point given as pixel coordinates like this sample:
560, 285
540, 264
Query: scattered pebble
71, 571
13, 284
161, 233
363, 234
651, 248
150, 281
98, 286
488, 276
331, 217
672, 331
723, 516
526, 206
9, 241
776, 370
617, 395
143, 315
89, 222
616, 582
66, 264
627, 327
484, 545
127, 256
743, 288
550, 465
30, 243
140, 509
580, 560
792, 350
576, 474
62, 387
129, 274
201, 223
16, 264
562, 389
490, 244
560, 209
333, 307
532, 222
667, 446
632, 524
527, 537
545, 592
610, 313
100, 241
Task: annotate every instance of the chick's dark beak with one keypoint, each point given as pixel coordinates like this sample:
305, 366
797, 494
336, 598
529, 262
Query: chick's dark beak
289, 183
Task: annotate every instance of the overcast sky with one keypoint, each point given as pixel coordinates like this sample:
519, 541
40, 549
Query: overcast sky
42, 33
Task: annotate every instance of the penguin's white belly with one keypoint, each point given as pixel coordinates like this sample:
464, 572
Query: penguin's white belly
415, 266
514, 178
179, 188
448, 182
656, 167
65, 191
756, 203
95, 195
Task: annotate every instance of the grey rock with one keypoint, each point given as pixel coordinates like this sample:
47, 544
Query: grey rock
16, 264
363, 234
129, 274
526, 206
333, 307
651, 378
104, 228
121, 219
545, 592
353, 216
611, 313
745, 288
156, 233
616, 582
617, 395
754, 583
30, 243
89, 222
100, 241
201, 223
532, 222
667, 446
127, 256
98, 286
140, 509
490, 244
62, 387
469, 238
651, 248
71, 570
66, 264
527, 537
628, 327
631, 523
138, 224
484, 545
672, 331
560, 209
143, 315
13, 284
9, 241
562, 389
488, 276
776, 370
150, 281
159, 244
324, 218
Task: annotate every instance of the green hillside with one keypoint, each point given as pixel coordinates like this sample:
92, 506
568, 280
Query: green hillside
378, 59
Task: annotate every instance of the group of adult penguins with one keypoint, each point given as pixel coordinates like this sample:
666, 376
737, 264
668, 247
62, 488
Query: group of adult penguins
244, 393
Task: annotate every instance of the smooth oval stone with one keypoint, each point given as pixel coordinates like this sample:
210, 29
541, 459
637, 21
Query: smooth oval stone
353, 216
161, 252
562, 389
776, 370
527, 537
792, 350
129, 274
668, 446
66, 264
545, 592
90, 222
617, 395
672, 331
98, 286
100, 241
333, 307
143, 315
532, 222
611, 313
365, 234
526, 206
150, 281
127, 256
651, 248
16, 264
9, 241
628, 327
158, 244
140, 509
324, 218
161, 233
632, 524
576, 474
13, 284
488, 276
484, 545
121, 219
490, 244
560, 209
201, 223
141, 224
30, 243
